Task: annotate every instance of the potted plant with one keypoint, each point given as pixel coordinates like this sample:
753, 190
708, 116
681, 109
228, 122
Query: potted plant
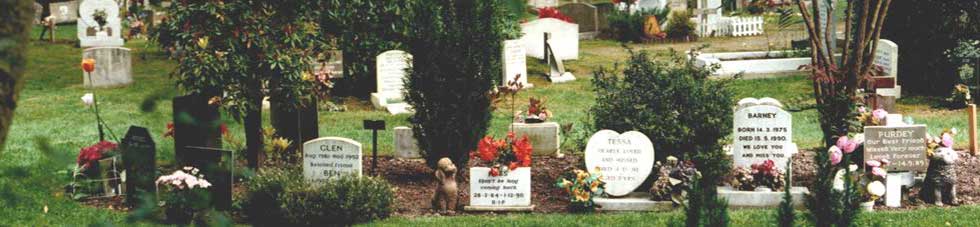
100, 17
188, 195
581, 187
871, 182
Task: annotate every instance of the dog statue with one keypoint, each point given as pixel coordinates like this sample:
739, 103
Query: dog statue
940, 182
446, 192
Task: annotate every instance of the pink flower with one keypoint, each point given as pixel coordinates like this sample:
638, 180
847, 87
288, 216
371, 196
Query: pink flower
879, 172
947, 140
862, 109
835, 155
885, 162
846, 144
873, 163
879, 113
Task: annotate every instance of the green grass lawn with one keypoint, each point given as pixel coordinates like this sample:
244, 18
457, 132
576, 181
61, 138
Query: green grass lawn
51, 113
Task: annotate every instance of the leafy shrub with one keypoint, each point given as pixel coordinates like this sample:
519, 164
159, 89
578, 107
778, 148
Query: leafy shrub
627, 27
670, 100
456, 47
283, 197
680, 25
364, 28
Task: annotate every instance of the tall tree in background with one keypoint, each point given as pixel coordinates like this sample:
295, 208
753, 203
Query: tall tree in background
364, 29
924, 31
456, 45
15, 25
243, 51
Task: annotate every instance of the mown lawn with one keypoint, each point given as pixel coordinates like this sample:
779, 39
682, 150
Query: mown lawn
50, 113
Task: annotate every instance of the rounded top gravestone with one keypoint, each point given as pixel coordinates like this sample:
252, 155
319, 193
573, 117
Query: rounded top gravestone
624, 160
763, 131
328, 157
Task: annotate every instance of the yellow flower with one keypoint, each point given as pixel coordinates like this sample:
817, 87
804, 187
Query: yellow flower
202, 42
582, 175
581, 195
307, 76
594, 187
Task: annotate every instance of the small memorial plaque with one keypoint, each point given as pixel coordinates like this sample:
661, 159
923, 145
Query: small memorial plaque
512, 190
904, 146
624, 160
327, 157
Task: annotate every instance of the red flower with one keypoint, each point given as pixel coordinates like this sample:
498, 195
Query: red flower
93, 153
224, 129
487, 149
551, 12
513, 165
170, 131
522, 150
88, 65
494, 172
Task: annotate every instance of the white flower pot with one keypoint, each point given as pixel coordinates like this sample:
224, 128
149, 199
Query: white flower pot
868, 206
511, 190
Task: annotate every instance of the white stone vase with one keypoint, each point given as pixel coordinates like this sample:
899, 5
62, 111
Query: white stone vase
868, 206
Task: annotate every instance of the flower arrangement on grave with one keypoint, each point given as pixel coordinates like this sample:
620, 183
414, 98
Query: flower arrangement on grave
100, 17
504, 155
552, 12
872, 187
87, 169
940, 181
764, 175
960, 97
872, 118
673, 181
582, 187
187, 196
537, 112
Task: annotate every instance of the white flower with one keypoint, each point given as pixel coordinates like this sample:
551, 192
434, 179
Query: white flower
858, 139
953, 130
839, 181
876, 188
88, 99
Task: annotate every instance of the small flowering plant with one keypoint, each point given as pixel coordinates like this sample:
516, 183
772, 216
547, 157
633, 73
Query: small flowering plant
760, 175
188, 194
960, 97
89, 156
936, 146
504, 155
871, 118
873, 188
537, 112
582, 187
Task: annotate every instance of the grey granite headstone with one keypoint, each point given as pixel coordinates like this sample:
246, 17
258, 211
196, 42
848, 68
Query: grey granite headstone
604, 10
904, 146
113, 67
405, 144
584, 14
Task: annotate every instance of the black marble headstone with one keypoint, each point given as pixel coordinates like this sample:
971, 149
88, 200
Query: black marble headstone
217, 165
139, 158
196, 124
297, 124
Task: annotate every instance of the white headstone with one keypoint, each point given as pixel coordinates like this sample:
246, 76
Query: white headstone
511, 190
763, 131
887, 57
515, 62
113, 67
89, 33
64, 12
391, 75
624, 160
405, 144
651, 4
564, 38
328, 157
542, 3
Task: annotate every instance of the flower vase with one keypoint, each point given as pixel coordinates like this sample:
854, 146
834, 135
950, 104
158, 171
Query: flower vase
868, 206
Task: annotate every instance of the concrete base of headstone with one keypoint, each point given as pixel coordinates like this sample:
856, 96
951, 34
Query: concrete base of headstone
565, 77
381, 101
544, 137
406, 147
752, 199
893, 185
499, 209
636, 201
113, 67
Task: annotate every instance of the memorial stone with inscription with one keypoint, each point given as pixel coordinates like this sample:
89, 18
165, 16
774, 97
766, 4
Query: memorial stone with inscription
763, 131
624, 160
327, 157
113, 67
511, 190
90, 33
391, 66
586, 15
515, 62
904, 146
64, 12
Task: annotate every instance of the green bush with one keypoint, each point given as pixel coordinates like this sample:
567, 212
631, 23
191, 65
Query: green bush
627, 27
364, 29
278, 197
670, 100
456, 47
680, 25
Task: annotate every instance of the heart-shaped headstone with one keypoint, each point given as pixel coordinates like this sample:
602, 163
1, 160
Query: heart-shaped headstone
624, 160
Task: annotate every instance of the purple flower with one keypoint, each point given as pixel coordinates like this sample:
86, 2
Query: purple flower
947, 140
879, 114
846, 144
877, 171
835, 155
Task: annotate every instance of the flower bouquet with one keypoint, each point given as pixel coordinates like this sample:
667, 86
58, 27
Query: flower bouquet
504, 155
188, 197
674, 180
552, 12
536, 111
760, 176
582, 187
87, 171
872, 118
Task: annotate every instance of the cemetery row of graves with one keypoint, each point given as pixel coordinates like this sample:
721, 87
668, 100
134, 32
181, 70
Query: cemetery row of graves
315, 118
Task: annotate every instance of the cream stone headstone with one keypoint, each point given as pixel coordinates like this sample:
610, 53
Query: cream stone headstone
564, 38
515, 62
90, 33
763, 131
328, 157
391, 76
113, 67
624, 160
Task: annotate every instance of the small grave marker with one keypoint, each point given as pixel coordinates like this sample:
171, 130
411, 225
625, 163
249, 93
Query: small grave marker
763, 131
139, 158
904, 146
327, 157
624, 160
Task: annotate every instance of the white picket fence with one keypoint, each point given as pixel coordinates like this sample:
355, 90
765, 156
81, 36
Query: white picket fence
730, 26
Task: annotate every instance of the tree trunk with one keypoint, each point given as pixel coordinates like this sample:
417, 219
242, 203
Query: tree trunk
14, 28
253, 135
